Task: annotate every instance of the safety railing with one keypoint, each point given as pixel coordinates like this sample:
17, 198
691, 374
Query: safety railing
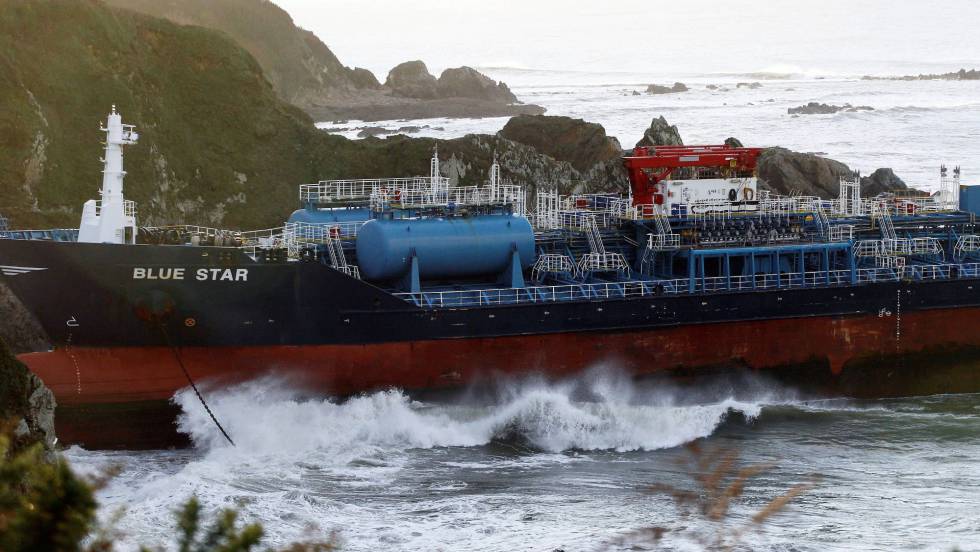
330, 191
686, 286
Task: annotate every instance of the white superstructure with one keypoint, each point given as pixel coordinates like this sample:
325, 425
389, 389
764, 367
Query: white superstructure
702, 195
112, 219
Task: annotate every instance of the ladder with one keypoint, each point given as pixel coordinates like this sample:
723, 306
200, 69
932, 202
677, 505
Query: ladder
335, 249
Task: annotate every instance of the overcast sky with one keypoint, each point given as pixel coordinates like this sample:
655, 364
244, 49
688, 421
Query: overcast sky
847, 36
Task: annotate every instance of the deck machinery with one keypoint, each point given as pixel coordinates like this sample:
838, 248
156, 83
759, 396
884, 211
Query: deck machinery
696, 220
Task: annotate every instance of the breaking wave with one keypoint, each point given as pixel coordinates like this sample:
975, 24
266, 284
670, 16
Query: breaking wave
604, 413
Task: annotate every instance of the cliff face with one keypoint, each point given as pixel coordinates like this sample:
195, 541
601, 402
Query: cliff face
305, 73
24, 398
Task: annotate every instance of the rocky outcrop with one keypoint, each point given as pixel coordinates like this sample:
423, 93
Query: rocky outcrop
660, 89
749, 85
466, 82
25, 399
411, 79
566, 139
18, 327
814, 108
880, 181
733, 142
660, 133
962, 74
785, 172
364, 79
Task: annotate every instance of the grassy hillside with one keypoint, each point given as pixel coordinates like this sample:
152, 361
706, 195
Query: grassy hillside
214, 134
217, 147
300, 67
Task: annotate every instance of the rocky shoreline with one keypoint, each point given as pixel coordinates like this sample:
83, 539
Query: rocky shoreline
961, 75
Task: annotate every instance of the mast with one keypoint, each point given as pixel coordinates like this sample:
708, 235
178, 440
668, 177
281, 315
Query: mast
112, 219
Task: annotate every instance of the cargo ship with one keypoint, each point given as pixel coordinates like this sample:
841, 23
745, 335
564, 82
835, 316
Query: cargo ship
419, 284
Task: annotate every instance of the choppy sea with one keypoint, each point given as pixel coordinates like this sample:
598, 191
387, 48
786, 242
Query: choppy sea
562, 465
570, 465
915, 126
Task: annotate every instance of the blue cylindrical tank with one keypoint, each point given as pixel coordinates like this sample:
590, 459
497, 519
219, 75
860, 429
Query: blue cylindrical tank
445, 247
331, 215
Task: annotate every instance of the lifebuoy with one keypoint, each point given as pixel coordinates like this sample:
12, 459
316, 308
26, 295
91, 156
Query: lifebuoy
732, 195
748, 194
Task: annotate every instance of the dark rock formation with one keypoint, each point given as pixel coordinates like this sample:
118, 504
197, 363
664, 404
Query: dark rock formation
362, 78
412, 79
367, 132
733, 142
660, 133
23, 397
814, 108
749, 85
784, 172
962, 74
580, 143
882, 180
18, 327
466, 82
659, 89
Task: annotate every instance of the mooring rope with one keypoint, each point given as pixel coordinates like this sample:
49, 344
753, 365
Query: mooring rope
187, 374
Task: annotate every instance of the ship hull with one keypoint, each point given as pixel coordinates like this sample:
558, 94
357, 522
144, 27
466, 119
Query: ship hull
117, 334
855, 356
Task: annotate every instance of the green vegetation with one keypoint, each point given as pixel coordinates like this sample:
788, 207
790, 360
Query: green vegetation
45, 506
299, 66
217, 146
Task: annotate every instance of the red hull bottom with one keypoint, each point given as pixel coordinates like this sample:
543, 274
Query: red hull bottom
112, 397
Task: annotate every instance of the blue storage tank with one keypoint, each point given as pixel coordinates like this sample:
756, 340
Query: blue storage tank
332, 215
970, 199
445, 247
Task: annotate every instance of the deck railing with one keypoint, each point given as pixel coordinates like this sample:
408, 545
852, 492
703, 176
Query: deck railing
683, 286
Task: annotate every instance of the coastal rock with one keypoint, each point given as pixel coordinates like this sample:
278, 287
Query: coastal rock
364, 79
962, 74
20, 330
466, 82
24, 397
566, 139
412, 79
749, 85
659, 89
660, 133
733, 142
815, 108
784, 172
880, 181
370, 131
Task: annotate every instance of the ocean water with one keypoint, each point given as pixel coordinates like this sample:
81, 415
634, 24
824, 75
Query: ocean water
915, 126
566, 465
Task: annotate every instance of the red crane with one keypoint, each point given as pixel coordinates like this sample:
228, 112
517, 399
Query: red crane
650, 164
